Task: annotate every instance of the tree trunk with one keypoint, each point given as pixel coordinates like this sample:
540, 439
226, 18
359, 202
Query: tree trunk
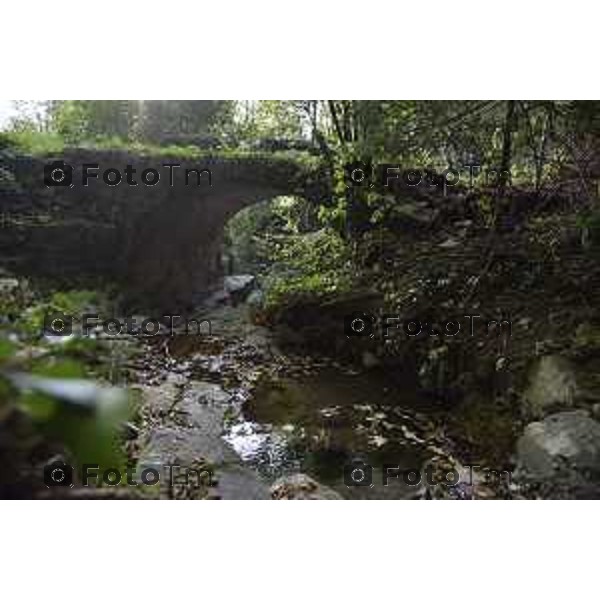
509, 126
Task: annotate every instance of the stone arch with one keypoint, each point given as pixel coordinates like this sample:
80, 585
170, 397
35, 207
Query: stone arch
161, 239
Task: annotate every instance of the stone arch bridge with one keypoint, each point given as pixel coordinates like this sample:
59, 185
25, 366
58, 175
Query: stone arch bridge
160, 243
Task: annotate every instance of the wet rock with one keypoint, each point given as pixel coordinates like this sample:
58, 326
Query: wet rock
561, 455
238, 286
184, 446
256, 298
235, 482
158, 399
202, 407
204, 393
301, 487
190, 434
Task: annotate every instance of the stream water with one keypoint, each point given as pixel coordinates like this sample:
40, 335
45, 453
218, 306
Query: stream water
315, 420
320, 423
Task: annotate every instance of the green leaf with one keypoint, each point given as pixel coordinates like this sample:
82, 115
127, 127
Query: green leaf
81, 414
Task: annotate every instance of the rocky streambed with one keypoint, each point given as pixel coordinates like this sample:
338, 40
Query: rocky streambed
272, 424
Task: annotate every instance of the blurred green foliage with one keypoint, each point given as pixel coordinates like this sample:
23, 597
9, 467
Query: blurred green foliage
55, 391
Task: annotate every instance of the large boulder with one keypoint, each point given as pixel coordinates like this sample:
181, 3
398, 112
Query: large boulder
557, 383
560, 456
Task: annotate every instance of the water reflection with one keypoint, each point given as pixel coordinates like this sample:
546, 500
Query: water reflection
318, 423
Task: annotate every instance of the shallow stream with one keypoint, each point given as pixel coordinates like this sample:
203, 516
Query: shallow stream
319, 423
